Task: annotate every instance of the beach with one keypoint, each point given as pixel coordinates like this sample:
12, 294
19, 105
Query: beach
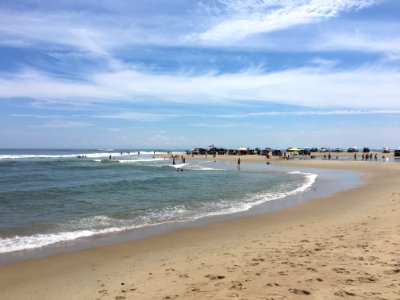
345, 245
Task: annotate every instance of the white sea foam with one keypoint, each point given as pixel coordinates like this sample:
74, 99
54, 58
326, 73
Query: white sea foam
199, 167
178, 166
133, 161
310, 179
87, 155
18, 243
58, 156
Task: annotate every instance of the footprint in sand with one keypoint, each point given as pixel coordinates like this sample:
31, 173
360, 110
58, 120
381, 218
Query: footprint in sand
215, 277
369, 279
299, 291
393, 272
171, 297
340, 270
343, 293
103, 292
272, 284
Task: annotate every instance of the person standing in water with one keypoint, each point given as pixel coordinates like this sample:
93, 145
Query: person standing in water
238, 163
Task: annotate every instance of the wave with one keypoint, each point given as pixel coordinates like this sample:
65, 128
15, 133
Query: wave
310, 179
58, 156
98, 225
75, 155
129, 161
198, 167
133, 161
19, 243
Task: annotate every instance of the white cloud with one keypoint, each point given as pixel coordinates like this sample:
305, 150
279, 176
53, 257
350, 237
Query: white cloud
62, 124
363, 88
100, 36
72, 30
215, 125
89, 32
371, 35
261, 18
134, 116
311, 113
43, 87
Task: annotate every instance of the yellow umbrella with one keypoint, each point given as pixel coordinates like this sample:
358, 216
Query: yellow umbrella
293, 149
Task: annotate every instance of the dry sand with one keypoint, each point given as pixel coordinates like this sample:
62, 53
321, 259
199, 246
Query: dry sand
342, 246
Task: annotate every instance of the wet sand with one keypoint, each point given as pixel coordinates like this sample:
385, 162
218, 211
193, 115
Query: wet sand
346, 245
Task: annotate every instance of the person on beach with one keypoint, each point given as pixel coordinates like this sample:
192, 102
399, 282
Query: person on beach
238, 163
173, 161
355, 156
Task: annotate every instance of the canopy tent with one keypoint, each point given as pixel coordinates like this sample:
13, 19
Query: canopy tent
242, 149
293, 149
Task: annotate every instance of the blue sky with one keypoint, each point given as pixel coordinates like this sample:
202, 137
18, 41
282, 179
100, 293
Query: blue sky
177, 74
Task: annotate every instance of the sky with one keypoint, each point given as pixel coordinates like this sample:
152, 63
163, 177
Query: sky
178, 74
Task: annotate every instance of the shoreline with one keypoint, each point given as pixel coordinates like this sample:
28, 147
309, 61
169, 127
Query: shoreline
327, 182
330, 247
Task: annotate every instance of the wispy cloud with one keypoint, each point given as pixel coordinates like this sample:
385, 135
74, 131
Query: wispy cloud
215, 125
36, 116
135, 116
311, 113
252, 17
362, 88
373, 36
62, 124
69, 30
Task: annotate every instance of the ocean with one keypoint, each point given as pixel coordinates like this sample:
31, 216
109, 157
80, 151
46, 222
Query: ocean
51, 197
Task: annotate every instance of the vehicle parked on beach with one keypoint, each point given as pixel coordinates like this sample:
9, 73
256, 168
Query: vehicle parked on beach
266, 151
215, 150
314, 149
338, 150
198, 151
305, 151
396, 153
323, 149
276, 152
352, 149
386, 150
366, 150
232, 152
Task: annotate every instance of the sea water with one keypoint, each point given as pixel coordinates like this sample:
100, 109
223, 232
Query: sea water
50, 197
